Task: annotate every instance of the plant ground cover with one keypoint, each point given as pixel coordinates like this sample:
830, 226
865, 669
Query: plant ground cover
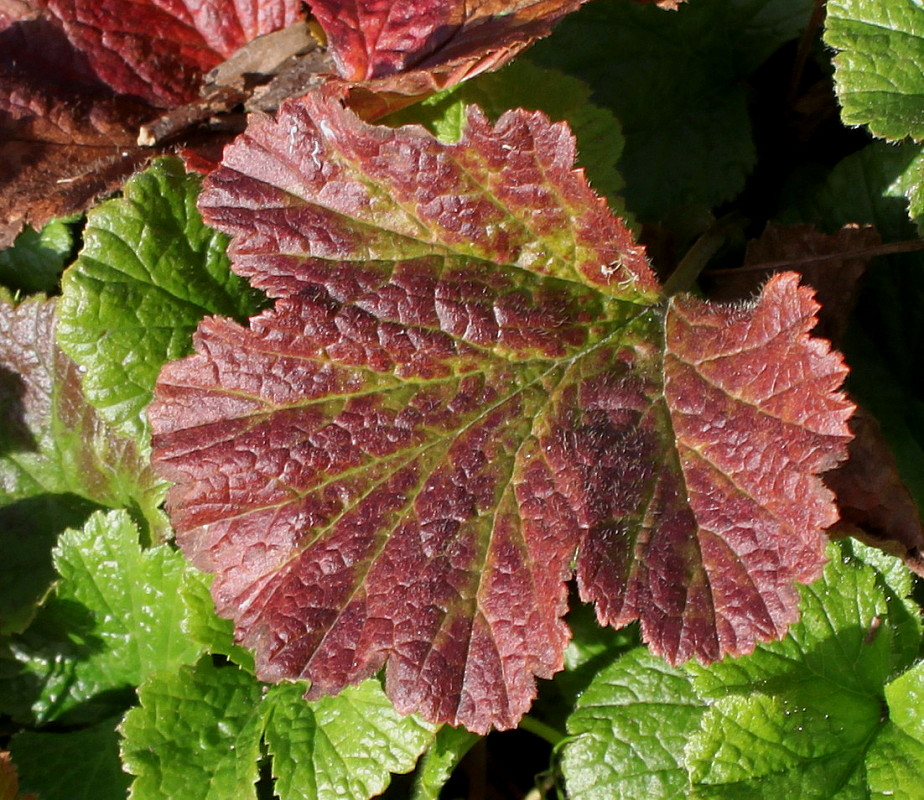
461, 423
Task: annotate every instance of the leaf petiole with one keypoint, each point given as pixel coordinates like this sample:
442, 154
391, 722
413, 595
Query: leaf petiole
544, 731
696, 258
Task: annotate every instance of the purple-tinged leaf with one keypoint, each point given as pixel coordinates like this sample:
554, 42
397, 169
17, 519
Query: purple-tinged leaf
469, 386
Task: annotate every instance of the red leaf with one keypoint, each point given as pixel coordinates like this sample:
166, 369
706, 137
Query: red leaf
376, 38
468, 380
159, 50
393, 52
321, 181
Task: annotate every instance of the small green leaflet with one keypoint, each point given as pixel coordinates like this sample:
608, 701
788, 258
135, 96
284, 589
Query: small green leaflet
197, 733
113, 619
810, 716
879, 72
148, 272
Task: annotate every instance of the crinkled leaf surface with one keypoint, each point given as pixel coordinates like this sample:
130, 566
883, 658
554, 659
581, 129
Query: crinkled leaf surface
121, 608
871, 497
469, 378
522, 84
148, 272
78, 78
52, 440
879, 70
799, 717
342, 746
196, 736
804, 717
677, 83
629, 729
81, 764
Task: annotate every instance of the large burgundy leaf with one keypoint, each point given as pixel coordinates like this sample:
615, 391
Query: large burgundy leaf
78, 77
470, 382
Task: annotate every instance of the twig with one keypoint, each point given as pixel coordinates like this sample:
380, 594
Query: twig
865, 252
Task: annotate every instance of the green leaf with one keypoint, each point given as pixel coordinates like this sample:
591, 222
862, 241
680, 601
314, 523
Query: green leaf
629, 728
53, 441
148, 272
197, 733
878, 73
77, 765
522, 84
804, 717
113, 619
344, 746
36, 259
895, 765
796, 718
896, 582
677, 84
215, 634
